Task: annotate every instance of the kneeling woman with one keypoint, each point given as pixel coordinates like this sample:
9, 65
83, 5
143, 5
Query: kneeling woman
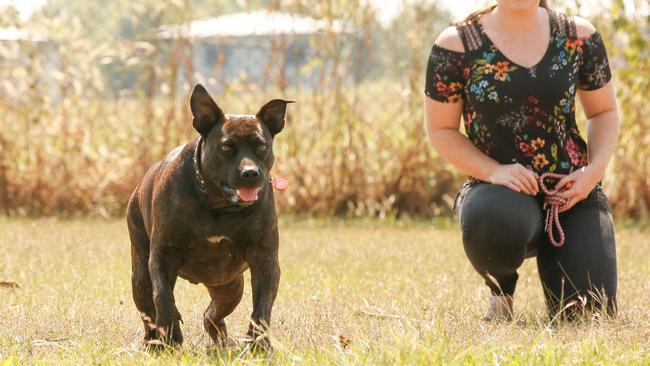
513, 71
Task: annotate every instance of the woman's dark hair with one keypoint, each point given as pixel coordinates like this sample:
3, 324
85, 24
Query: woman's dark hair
477, 14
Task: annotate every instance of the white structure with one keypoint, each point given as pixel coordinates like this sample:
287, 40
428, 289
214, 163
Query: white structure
257, 47
256, 23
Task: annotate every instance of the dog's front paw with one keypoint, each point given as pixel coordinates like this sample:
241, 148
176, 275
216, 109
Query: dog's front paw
258, 343
155, 346
166, 338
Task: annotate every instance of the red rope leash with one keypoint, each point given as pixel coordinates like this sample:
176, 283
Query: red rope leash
552, 204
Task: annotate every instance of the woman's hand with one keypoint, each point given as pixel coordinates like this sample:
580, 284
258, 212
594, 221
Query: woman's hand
516, 177
577, 186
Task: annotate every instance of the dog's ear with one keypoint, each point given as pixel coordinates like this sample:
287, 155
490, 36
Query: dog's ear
206, 112
272, 114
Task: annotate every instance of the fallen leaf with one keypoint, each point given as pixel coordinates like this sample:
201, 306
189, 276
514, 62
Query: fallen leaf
7, 284
345, 342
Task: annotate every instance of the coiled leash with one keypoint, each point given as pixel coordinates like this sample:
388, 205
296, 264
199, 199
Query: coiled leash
552, 204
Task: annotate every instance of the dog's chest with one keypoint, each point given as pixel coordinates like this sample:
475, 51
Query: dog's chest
213, 259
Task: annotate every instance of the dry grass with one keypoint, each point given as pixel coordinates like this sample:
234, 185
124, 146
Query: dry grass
361, 292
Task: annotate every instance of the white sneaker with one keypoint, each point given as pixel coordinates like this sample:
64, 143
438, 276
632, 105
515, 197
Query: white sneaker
499, 309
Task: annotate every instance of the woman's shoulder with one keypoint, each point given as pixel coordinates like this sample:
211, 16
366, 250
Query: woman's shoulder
575, 26
449, 39
584, 28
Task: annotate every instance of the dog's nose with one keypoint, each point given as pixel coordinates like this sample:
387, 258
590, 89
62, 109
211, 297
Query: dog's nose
250, 172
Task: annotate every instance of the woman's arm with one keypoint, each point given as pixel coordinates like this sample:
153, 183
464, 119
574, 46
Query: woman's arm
443, 124
603, 126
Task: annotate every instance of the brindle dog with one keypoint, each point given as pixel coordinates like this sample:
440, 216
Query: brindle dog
206, 213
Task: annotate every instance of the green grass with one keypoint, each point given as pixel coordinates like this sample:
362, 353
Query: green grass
395, 293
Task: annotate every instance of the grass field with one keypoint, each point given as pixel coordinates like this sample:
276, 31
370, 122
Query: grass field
361, 292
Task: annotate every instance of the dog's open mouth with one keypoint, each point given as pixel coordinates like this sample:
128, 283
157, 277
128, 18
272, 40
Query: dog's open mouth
248, 194
242, 196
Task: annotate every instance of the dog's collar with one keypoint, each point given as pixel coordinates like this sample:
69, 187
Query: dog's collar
221, 197
197, 166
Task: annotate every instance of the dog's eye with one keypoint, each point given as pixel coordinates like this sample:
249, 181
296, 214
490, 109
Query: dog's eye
226, 148
262, 148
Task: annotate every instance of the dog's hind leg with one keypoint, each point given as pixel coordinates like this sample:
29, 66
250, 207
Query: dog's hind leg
224, 301
140, 281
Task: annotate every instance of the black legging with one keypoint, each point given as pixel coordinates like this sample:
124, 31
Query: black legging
501, 228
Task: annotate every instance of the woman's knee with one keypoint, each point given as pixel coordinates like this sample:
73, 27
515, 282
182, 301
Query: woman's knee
493, 214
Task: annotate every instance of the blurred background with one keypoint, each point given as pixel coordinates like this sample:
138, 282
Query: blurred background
93, 92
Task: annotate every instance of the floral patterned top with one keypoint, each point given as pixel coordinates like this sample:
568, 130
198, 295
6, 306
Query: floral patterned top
516, 114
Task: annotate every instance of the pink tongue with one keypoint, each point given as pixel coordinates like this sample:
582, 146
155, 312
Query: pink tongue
248, 194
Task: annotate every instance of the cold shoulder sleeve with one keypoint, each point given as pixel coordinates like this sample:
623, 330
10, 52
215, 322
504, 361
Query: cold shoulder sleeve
445, 75
594, 70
